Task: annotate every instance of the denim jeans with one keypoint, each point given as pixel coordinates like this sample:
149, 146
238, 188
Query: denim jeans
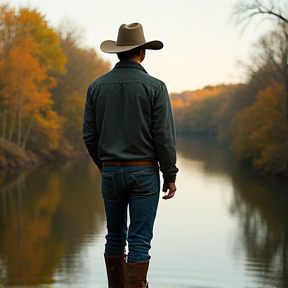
136, 188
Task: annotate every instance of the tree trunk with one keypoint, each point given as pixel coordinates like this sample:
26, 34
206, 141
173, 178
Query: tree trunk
26, 135
285, 69
4, 125
19, 134
284, 256
286, 90
12, 127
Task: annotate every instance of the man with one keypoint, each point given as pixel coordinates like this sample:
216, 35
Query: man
128, 131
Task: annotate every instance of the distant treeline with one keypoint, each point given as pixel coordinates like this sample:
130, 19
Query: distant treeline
251, 118
44, 75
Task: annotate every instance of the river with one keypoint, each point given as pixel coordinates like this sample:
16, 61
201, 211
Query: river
227, 226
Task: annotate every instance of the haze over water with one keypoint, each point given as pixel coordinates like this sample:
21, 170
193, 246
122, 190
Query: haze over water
226, 227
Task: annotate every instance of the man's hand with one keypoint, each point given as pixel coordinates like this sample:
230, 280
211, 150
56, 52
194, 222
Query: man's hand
171, 188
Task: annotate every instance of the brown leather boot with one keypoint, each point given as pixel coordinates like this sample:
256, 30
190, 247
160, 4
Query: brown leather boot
135, 274
115, 271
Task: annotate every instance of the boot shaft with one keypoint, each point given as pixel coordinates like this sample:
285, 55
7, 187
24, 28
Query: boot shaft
115, 270
136, 274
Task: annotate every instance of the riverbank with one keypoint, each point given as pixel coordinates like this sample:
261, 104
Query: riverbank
12, 157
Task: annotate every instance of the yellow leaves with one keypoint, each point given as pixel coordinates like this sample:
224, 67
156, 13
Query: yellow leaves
26, 87
30, 57
47, 52
200, 111
50, 124
177, 103
261, 130
22, 70
33, 88
33, 259
186, 98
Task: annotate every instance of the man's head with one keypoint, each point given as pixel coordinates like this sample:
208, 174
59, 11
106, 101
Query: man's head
136, 55
130, 37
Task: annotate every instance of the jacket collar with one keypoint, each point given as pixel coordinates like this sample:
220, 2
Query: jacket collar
130, 64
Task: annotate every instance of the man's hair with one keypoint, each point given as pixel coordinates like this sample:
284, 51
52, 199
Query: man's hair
129, 54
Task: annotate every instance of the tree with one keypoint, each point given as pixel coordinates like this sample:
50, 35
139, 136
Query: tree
7, 16
83, 66
48, 52
205, 111
261, 129
273, 57
261, 133
30, 58
270, 60
245, 11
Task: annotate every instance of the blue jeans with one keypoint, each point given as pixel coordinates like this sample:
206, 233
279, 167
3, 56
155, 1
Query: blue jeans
138, 188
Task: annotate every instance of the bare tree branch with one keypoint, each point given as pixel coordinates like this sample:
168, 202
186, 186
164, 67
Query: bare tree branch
244, 12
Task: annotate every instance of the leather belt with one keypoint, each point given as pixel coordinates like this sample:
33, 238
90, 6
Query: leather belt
130, 163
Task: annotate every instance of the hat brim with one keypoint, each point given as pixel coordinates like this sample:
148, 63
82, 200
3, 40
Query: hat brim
110, 46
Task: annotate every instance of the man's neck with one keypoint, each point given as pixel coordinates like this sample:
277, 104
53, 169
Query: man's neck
135, 59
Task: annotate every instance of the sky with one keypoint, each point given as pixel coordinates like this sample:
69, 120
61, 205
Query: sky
201, 45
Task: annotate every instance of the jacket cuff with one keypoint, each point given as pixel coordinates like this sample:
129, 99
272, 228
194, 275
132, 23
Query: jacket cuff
169, 178
169, 175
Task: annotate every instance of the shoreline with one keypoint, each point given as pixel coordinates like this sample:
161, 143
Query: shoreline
13, 158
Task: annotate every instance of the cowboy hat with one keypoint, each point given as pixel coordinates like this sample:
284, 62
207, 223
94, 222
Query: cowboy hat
130, 36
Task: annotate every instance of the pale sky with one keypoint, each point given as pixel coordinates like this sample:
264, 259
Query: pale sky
201, 47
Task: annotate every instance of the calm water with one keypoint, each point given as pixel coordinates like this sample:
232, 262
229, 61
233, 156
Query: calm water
226, 227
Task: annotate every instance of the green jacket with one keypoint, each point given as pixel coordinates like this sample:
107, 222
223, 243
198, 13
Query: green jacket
128, 116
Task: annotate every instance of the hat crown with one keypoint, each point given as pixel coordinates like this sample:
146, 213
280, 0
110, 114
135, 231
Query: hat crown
130, 34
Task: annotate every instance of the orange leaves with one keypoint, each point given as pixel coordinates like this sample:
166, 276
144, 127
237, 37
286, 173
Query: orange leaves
257, 125
24, 76
179, 100
50, 124
261, 130
30, 56
47, 50
43, 75
178, 103
199, 111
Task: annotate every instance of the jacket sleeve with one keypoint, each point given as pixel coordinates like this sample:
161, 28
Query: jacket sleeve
164, 134
90, 135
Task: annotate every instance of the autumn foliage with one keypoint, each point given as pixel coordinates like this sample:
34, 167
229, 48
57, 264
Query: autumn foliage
261, 130
203, 110
251, 118
43, 78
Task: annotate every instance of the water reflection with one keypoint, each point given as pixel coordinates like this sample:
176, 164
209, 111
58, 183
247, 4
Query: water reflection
49, 216
213, 158
261, 206
46, 216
